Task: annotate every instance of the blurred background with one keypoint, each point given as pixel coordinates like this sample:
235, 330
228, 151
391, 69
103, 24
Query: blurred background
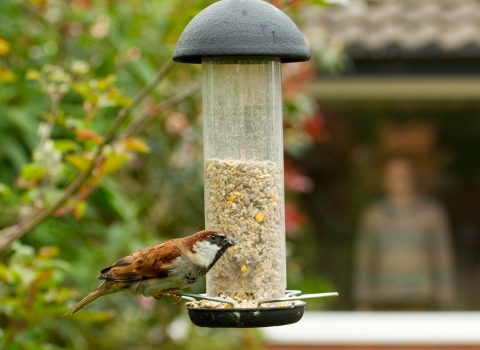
388, 80
408, 87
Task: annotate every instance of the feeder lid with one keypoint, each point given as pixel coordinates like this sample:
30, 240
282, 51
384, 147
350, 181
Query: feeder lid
233, 28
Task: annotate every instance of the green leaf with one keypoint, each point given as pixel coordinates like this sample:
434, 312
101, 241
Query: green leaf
105, 83
25, 120
4, 190
12, 149
6, 75
79, 210
82, 163
117, 99
114, 162
33, 74
84, 90
3, 272
65, 145
4, 47
33, 171
329, 2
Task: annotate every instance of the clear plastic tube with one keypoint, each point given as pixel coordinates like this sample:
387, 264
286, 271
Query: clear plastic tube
244, 192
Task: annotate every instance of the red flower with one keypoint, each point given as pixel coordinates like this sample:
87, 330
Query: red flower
296, 181
315, 128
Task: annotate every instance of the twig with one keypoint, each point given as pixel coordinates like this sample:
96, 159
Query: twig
11, 233
136, 100
140, 122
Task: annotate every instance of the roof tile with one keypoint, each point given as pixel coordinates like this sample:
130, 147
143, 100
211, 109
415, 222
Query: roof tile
449, 26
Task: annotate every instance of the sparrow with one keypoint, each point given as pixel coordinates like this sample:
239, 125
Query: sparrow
163, 268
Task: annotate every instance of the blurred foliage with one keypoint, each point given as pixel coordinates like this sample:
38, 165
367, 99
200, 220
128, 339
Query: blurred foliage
66, 70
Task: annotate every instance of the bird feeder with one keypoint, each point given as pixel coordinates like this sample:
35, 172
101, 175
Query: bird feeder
241, 45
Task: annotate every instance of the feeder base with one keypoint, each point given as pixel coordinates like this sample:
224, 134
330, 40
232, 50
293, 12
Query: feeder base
246, 317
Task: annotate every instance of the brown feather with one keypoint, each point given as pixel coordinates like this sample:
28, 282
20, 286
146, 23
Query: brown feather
151, 262
189, 242
107, 287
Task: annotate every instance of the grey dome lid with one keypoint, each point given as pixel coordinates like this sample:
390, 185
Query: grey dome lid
235, 28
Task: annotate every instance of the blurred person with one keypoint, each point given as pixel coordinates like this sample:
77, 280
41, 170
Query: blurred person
403, 253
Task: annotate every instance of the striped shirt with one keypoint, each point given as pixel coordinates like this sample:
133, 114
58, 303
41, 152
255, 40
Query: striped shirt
403, 256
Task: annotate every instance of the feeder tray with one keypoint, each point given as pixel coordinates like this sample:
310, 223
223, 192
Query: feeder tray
235, 317
246, 317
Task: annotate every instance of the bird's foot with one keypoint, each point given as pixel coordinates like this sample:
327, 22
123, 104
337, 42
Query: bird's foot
177, 298
172, 292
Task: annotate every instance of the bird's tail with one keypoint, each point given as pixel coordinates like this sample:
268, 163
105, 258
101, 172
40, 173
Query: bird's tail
107, 287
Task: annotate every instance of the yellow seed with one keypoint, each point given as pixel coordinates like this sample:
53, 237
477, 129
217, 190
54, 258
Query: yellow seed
231, 198
243, 268
274, 198
259, 217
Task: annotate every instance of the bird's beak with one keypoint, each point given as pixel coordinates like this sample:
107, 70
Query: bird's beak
231, 241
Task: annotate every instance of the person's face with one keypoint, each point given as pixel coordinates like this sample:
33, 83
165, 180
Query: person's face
399, 179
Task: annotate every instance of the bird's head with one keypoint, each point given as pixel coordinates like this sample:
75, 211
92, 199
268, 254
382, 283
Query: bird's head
209, 246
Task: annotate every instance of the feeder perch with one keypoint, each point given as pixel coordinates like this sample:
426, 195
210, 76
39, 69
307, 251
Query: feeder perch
241, 45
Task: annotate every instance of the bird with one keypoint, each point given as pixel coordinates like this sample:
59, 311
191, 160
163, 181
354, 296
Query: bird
163, 268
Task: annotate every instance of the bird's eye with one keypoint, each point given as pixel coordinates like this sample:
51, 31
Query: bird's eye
213, 237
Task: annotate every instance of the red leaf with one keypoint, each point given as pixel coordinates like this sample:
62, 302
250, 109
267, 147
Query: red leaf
88, 134
136, 144
315, 128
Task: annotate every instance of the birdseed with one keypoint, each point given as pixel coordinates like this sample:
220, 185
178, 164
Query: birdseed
244, 198
244, 300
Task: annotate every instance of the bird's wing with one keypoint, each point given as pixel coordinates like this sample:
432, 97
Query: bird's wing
151, 262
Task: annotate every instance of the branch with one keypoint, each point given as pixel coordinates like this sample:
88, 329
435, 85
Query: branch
11, 233
136, 101
140, 122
